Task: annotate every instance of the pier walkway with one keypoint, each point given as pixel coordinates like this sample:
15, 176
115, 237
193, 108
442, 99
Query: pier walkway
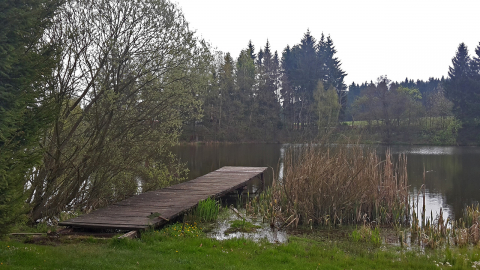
155, 208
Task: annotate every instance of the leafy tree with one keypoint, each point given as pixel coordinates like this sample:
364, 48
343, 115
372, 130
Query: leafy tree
438, 106
24, 107
127, 80
327, 105
407, 104
377, 104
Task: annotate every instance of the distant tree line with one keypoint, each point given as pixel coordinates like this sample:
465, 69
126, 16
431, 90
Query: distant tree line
260, 96
405, 107
441, 107
264, 97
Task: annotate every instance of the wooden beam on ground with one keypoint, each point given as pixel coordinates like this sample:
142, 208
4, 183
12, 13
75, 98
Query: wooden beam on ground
28, 234
130, 235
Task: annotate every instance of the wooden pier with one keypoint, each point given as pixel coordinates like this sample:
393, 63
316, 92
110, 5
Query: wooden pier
135, 213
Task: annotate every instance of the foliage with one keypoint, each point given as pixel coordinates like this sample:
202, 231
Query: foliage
127, 79
448, 134
328, 106
25, 109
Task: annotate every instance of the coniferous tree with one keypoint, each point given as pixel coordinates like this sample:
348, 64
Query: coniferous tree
475, 64
286, 92
212, 101
460, 87
24, 112
333, 73
251, 50
303, 66
304, 78
268, 107
229, 103
245, 79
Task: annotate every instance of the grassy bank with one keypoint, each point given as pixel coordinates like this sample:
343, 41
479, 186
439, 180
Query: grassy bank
164, 250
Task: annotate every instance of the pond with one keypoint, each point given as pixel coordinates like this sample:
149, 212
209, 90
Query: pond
452, 174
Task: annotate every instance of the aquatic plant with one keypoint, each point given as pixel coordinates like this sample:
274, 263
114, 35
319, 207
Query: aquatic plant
344, 184
207, 210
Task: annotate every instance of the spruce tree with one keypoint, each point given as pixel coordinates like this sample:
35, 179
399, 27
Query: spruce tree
227, 93
460, 87
334, 75
24, 66
286, 92
460, 64
246, 80
475, 66
251, 50
268, 107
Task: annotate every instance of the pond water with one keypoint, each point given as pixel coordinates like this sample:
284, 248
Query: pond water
452, 177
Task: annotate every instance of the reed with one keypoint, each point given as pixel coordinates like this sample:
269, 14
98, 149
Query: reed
343, 184
349, 185
207, 210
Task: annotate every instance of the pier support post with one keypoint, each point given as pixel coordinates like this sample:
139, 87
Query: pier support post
262, 180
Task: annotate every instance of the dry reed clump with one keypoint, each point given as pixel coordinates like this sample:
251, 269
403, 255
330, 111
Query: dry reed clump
343, 184
437, 232
467, 230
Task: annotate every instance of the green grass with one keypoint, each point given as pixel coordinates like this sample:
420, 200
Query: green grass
367, 234
163, 250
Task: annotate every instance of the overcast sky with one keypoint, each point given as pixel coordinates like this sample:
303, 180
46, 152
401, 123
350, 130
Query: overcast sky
398, 38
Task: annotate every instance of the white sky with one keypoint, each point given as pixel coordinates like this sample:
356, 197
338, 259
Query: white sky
398, 38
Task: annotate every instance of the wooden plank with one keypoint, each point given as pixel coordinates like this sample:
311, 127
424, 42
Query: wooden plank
132, 213
130, 235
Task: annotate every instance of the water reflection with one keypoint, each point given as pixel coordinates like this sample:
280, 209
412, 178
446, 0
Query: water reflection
452, 174
434, 201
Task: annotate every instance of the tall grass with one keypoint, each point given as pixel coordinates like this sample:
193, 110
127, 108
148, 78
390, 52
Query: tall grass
343, 184
207, 210
347, 184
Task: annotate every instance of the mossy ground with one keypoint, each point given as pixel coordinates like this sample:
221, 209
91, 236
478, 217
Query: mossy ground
241, 226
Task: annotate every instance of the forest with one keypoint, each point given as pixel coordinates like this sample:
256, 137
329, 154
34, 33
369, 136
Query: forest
301, 96
93, 94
